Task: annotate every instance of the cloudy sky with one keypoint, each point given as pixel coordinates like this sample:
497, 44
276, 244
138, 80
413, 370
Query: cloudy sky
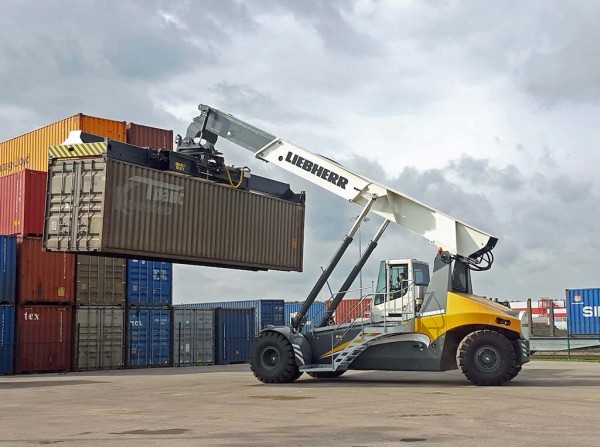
487, 111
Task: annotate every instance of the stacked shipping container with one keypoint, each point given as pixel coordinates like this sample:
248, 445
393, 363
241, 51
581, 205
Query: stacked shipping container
8, 256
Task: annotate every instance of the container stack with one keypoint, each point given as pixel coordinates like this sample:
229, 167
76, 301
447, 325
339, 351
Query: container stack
100, 316
45, 299
50, 300
149, 308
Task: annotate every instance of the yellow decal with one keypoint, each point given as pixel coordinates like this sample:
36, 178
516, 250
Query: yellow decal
336, 349
76, 150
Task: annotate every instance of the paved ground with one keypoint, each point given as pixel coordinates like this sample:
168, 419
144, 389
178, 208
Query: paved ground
550, 403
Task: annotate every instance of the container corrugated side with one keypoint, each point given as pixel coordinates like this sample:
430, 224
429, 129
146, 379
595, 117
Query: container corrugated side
149, 283
101, 281
147, 136
193, 337
44, 277
22, 202
8, 269
268, 311
149, 337
583, 311
234, 335
44, 338
350, 309
7, 339
30, 151
99, 338
174, 217
313, 316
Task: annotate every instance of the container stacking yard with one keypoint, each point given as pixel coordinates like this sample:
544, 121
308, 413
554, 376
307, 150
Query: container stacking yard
63, 307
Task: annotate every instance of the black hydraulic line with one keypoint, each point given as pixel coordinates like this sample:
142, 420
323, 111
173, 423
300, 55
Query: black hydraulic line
300, 318
352, 276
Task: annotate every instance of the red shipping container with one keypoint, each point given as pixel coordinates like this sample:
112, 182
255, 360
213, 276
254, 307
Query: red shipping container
44, 338
350, 309
152, 137
22, 202
44, 277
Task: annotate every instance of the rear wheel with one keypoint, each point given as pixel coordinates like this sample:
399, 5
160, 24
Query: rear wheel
487, 358
272, 359
325, 374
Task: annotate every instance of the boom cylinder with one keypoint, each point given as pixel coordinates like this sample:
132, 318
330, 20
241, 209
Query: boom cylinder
352, 276
300, 318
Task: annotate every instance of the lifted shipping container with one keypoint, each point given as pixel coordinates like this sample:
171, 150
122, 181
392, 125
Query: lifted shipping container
102, 205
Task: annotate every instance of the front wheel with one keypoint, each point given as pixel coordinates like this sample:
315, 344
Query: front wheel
272, 359
487, 358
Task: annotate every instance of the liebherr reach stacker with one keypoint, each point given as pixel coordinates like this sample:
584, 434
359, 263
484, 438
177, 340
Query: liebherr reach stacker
417, 323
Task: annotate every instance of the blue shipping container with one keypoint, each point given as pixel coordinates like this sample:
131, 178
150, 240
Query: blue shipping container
8, 269
149, 283
7, 339
313, 316
234, 335
268, 312
149, 337
583, 311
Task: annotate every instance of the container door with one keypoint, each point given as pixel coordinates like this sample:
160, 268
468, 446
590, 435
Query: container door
87, 339
138, 342
111, 341
75, 205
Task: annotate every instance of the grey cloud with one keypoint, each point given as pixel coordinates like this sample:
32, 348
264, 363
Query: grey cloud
480, 172
328, 18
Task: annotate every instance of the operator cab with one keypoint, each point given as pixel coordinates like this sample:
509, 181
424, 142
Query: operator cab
400, 291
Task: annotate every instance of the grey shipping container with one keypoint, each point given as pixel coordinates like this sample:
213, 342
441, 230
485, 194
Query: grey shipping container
99, 338
101, 281
111, 207
193, 337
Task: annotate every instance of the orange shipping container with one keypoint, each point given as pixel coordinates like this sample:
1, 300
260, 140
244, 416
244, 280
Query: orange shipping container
30, 151
44, 277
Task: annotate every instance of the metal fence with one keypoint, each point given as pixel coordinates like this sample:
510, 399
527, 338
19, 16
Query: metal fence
550, 333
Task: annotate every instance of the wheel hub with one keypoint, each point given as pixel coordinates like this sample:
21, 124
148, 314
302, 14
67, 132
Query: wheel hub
270, 357
488, 358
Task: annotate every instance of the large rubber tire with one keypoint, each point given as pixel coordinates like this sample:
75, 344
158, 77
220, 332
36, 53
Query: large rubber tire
272, 359
487, 358
325, 374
